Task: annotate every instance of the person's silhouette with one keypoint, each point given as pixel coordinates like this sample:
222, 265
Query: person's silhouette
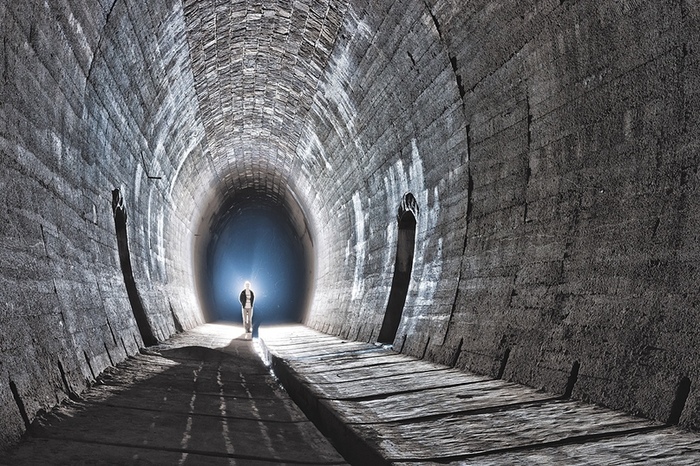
247, 297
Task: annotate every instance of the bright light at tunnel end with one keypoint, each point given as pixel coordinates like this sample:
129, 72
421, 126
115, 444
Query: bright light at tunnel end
259, 242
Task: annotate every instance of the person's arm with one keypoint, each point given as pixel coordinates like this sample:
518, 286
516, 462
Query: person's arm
252, 298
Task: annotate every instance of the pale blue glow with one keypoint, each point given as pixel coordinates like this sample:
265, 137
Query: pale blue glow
257, 245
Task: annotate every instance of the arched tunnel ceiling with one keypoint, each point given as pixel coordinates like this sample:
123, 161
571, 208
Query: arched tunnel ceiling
256, 67
339, 106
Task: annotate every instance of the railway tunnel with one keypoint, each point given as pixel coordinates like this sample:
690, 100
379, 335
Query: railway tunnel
507, 188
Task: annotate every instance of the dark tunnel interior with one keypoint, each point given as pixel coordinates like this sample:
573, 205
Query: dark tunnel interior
259, 238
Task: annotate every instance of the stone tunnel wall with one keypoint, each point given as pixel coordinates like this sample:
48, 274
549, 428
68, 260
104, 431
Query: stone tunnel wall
388, 119
552, 147
93, 97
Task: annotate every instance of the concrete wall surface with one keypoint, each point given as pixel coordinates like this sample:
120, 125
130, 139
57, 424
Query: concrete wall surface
94, 97
551, 147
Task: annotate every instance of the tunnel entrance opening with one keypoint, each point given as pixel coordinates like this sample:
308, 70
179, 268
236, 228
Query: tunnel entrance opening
403, 266
253, 236
144, 326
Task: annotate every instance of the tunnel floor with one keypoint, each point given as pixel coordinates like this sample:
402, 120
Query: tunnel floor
381, 407
204, 397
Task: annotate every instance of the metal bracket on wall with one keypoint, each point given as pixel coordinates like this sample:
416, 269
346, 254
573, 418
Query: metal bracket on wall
145, 168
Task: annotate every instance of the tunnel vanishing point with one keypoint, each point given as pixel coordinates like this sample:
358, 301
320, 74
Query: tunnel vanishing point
507, 187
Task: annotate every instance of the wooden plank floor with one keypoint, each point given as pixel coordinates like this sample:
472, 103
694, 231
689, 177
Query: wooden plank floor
407, 411
204, 397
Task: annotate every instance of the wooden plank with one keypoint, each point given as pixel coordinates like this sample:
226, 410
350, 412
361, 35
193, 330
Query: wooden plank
489, 394
363, 389
331, 353
361, 361
374, 372
666, 447
458, 435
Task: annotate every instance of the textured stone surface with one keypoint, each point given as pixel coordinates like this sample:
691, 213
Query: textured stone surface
204, 397
551, 147
92, 97
475, 422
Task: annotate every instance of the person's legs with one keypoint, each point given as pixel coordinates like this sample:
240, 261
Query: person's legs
247, 318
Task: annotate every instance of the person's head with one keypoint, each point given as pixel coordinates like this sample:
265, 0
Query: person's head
247, 285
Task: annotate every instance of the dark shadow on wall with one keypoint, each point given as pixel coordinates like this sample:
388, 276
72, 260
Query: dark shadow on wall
408, 210
119, 211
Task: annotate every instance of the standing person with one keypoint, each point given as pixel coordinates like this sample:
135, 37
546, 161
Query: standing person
247, 297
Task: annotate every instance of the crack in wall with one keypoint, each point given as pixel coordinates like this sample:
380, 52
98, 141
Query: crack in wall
99, 42
43, 240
